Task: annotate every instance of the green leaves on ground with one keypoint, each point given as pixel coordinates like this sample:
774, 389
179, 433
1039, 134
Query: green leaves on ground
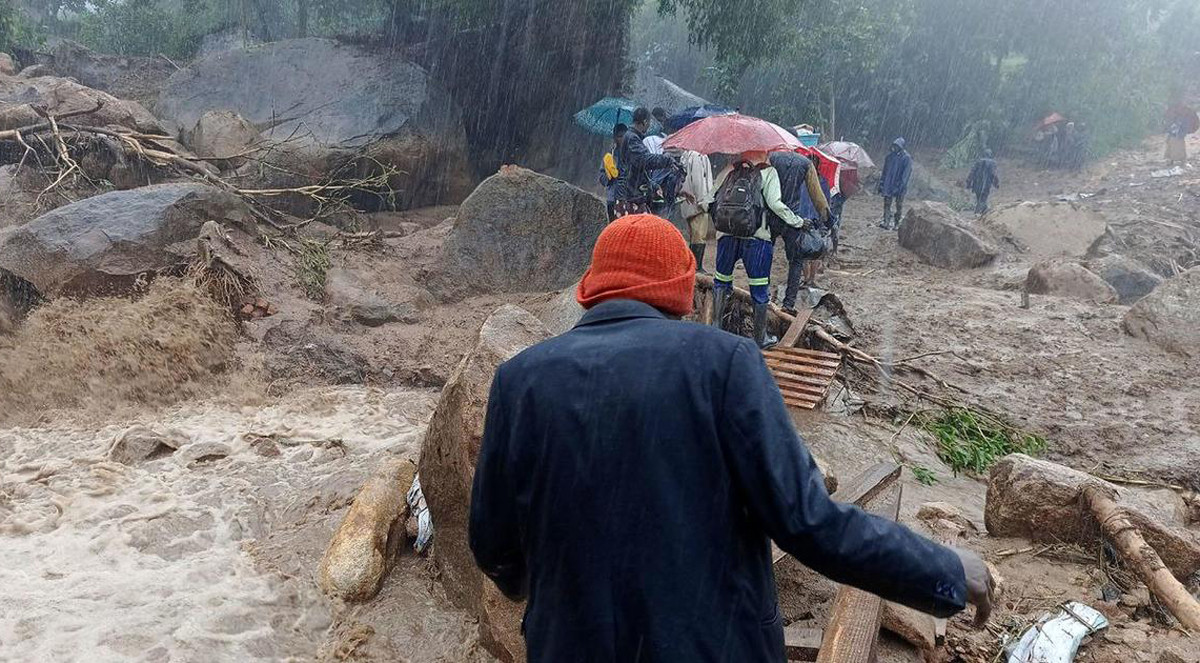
970, 441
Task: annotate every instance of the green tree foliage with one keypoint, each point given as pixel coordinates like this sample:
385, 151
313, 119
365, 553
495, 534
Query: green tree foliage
936, 71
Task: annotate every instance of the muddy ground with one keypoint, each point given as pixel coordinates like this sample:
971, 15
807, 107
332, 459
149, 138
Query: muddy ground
211, 553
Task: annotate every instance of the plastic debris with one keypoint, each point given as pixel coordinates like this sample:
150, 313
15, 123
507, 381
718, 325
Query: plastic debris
1170, 172
1056, 637
416, 503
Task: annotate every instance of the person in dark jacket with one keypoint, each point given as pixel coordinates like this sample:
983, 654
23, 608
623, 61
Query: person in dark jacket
634, 470
635, 160
982, 179
893, 184
799, 183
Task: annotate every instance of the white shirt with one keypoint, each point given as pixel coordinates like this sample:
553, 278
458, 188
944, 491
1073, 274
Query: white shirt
654, 144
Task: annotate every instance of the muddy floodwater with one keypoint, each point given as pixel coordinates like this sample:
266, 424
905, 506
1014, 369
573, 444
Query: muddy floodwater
207, 553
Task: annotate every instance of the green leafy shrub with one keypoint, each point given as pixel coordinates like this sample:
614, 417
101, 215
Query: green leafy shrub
969, 441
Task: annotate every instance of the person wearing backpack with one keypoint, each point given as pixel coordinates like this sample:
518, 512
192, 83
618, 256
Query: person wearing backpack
745, 191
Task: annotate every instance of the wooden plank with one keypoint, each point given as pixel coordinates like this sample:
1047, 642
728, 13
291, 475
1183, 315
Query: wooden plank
803, 405
803, 361
802, 379
852, 634
797, 369
808, 389
806, 352
861, 489
706, 307
794, 330
802, 644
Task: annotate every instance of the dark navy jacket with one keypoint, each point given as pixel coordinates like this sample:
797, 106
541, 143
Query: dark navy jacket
897, 169
632, 474
635, 162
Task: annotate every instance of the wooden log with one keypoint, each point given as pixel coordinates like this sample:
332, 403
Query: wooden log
861, 489
802, 644
792, 336
1139, 555
852, 634
361, 551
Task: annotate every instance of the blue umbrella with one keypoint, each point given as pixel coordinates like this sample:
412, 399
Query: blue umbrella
602, 116
690, 115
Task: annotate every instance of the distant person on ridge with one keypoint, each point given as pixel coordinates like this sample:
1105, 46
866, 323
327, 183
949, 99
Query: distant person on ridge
636, 162
744, 192
634, 471
982, 180
893, 184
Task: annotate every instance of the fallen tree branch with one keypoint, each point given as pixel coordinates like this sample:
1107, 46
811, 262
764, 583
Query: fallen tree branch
1134, 550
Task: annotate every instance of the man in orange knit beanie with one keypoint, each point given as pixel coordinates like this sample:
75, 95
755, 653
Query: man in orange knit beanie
634, 470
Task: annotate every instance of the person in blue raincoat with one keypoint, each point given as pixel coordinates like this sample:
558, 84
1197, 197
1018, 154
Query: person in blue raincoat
893, 185
634, 470
982, 180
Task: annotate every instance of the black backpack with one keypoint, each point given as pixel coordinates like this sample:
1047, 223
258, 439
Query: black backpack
738, 205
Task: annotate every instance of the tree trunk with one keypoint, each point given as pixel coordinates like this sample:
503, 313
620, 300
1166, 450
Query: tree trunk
302, 18
1126, 538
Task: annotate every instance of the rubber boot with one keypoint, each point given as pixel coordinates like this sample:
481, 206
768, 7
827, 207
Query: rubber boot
760, 328
795, 278
720, 296
698, 251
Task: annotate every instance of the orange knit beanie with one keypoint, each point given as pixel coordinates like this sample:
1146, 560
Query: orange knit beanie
641, 257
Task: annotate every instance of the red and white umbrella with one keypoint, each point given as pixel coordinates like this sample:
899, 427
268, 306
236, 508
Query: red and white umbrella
732, 134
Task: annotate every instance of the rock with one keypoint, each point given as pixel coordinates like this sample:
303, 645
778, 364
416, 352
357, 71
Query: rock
934, 233
299, 354
224, 135
334, 105
1169, 317
8, 66
370, 535
561, 313
123, 76
106, 243
1129, 278
14, 116
204, 452
36, 71
230, 39
138, 444
1049, 230
447, 467
1172, 656
1068, 279
519, 231
60, 96
1040, 501
353, 298
935, 512
655, 91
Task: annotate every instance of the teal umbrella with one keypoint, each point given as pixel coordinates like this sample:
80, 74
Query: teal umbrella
602, 116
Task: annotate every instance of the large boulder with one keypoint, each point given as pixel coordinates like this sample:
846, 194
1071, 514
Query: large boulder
123, 76
1068, 279
520, 231
225, 136
1041, 501
1170, 316
327, 103
933, 232
353, 297
1128, 277
1049, 229
561, 313
447, 468
8, 66
61, 96
107, 243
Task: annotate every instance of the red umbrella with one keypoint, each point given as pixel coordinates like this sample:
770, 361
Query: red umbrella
732, 134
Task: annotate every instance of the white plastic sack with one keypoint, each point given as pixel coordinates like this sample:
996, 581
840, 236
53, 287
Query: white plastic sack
1057, 636
416, 503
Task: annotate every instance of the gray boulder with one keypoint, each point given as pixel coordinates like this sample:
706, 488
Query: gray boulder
8, 66
1068, 279
353, 298
1049, 229
447, 465
1128, 277
933, 232
60, 96
520, 231
334, 107
561, 313
1169, 317
105, 244
299, 355
225, 136
126, 77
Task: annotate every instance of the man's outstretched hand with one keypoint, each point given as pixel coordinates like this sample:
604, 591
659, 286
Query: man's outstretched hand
980, 584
